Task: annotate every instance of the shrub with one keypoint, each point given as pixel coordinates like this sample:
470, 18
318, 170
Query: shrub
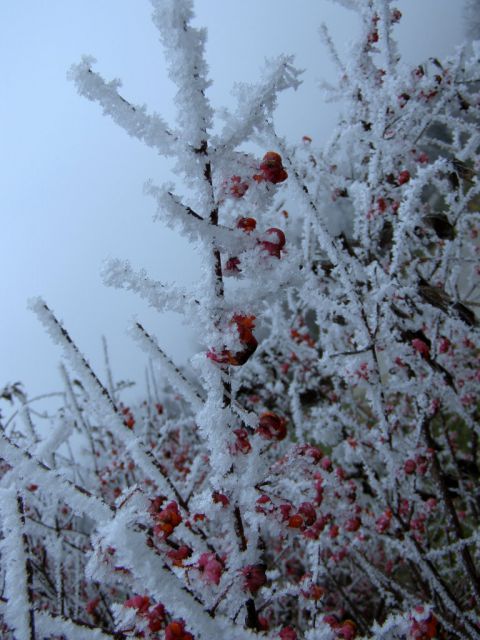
314, 474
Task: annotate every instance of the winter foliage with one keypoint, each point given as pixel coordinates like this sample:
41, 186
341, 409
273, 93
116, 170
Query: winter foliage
314, 474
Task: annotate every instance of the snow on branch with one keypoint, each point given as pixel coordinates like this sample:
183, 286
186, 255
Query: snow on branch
340, 259
19, 607
48, 623
162, 583
353, 5
150, 129
185, 51
410, 209
176, 378
29, 470
192, 225
162, 297
328, 42
257, 102
101, 400
388, 46
61, 337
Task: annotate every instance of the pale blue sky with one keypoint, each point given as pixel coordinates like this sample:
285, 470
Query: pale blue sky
71, 180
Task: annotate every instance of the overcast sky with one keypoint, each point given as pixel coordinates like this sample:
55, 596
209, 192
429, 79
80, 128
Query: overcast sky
71, 181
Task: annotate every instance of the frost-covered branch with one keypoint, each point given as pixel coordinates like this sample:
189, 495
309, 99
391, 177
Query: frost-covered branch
19, 612
119, 274
257, 103
173, 374
150, 129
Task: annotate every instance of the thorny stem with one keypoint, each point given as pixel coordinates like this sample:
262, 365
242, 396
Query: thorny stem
107, 608
469, 500
63, 530
44, 467
455, 522
28, 568
242, 541
189, 591
454, 605
59, 541
116, 635
220, 599
358, 616
81, 418
456, 609
251, 621
75, 349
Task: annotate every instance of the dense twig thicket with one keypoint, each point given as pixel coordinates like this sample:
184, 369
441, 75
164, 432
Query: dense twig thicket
315, 472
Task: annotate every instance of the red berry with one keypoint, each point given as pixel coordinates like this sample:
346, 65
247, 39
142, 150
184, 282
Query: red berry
167, 520
254, 577
245, 325
333, 531
396, 15
285, 510
156, 617
409, 466
210, 567
296, 521
383, 522
129, 422
232, 266
331, 620
424, 629
141, 603
314, 592
242, 442
444, 345
271, 426
347, 630
353, 524
176, 631
272, 169
421, 347
326, 463
307, 511
275, 242
91, 607
238, 188
382, 205
179, 555
220, 498
246, 224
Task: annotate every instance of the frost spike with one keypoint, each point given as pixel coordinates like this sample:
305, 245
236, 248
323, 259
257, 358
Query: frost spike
100, 396
132, 118
176, 378
185, 51
19, 611
162, 297
28, 469
256, 103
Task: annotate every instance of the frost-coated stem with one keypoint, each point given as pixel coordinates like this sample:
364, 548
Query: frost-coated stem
19, 611
30, 470
176, 378
106, 409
